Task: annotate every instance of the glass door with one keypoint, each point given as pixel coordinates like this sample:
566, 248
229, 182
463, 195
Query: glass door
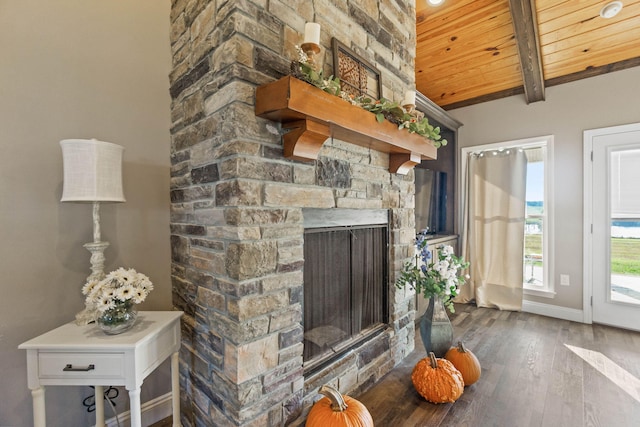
616, 228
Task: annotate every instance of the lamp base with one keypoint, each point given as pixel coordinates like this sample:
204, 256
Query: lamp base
90, 313
97, 260
86, 316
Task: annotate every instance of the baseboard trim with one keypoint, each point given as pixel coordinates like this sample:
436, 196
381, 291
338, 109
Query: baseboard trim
152, 411
556, 311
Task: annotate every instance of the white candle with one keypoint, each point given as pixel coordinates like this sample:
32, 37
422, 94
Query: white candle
409, 98
312, 33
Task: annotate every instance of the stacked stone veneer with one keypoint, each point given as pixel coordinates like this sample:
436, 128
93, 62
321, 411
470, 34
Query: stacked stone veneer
236, 211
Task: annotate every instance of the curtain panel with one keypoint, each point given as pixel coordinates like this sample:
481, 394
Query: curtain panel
493, 231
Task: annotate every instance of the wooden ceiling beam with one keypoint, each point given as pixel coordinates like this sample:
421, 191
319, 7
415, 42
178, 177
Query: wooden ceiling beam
526, 32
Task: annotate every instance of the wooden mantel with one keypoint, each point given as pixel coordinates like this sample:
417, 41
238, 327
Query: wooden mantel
314, 115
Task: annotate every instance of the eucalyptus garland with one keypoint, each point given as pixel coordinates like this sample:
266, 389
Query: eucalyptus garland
384, 109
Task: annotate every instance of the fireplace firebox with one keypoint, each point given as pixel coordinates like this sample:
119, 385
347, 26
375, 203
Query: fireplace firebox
345, 281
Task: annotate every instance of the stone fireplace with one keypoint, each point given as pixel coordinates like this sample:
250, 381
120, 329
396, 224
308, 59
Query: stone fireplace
237, 213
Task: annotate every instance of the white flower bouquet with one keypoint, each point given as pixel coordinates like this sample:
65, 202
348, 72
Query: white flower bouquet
120, 287
439, 277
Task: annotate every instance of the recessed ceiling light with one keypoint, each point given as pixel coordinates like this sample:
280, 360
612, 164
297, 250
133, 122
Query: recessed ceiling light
610, 10
435, 2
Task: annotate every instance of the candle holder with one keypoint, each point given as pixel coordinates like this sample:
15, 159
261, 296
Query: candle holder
409, 101
312, 50
409, 108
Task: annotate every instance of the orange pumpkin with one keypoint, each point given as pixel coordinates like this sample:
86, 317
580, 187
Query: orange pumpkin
337, 410
466, 362
437, 380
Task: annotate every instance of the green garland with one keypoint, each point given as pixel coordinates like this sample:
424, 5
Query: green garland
414, 122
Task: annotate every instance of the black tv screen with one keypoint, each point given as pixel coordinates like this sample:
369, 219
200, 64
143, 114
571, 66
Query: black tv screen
431, 200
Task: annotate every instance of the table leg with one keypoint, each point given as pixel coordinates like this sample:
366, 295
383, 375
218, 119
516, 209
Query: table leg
99, 400
134, 404
175, 389
39, 417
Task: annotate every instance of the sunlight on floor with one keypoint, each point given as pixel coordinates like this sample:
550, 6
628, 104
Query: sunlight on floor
608, 368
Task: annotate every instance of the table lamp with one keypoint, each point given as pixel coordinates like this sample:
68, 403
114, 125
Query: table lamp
92, 173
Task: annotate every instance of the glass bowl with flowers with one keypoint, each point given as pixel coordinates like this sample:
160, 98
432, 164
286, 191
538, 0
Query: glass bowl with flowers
114, 298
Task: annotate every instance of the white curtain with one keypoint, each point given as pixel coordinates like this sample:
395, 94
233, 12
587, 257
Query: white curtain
493, 233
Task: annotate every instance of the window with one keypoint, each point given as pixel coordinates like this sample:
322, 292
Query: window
537, 263
537, 231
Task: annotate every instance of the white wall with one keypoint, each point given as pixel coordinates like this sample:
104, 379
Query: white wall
77, 69
607, 100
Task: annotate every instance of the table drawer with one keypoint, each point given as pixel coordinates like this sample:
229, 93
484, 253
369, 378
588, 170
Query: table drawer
105, 365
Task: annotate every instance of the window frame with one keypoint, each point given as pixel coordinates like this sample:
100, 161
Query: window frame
547, 290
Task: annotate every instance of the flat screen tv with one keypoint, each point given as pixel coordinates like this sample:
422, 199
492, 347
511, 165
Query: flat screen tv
431, 200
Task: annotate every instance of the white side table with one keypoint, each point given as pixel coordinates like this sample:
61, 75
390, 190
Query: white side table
84, 355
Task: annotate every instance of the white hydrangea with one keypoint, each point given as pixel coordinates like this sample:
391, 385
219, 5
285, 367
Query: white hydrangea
447, 250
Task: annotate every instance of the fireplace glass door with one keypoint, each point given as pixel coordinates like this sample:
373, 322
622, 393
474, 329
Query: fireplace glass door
345, 278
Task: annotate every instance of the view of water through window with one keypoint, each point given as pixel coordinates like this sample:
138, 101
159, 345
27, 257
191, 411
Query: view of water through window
534, 225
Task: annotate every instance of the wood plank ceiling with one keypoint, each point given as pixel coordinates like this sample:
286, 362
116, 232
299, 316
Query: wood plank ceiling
471, 51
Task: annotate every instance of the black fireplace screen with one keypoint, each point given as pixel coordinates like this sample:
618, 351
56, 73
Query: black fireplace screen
345, 279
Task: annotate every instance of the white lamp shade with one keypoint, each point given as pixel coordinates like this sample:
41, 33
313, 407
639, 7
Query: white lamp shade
92, 171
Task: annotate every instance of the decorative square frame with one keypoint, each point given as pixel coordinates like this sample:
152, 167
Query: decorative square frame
357, 75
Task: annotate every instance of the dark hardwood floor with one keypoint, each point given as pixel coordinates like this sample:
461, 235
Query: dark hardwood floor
530, 377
